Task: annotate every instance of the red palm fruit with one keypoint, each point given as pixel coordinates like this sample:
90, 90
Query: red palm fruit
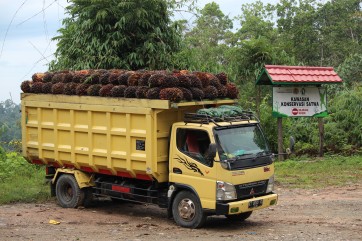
78, 77
222, 91
172, 94
170, 81
47, 88
36, 87
184, 81
203, 78
25, 86
37, 77
222, 77
57, 77
130, 92
106, 90
141, 92
197, 93
156, 80
186, 93
133, 79
93, 79
48, 77
93, 90
57, 88
184, 72
195, 81
213, 80
122, 79
67, 77
118, 91
104, 78
153, 93
143, 81
210, 92
82, 89
70, 88
233, 91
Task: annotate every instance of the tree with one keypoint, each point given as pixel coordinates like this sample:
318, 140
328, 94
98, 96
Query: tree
130, 34
204, 45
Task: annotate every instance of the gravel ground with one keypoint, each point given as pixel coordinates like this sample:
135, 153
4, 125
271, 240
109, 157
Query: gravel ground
334, 213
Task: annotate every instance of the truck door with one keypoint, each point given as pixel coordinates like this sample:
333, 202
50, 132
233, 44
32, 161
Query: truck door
189, 165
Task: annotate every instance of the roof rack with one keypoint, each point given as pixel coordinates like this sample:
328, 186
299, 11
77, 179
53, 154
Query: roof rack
206, 119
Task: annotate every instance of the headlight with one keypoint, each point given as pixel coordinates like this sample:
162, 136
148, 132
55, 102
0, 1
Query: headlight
270, 187
225, 191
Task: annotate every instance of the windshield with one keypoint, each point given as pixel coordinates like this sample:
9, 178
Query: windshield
238, 143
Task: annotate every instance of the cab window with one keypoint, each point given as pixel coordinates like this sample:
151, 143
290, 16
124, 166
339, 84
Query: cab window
194, 143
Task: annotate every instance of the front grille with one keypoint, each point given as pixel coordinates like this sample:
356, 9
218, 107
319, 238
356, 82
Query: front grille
251, 189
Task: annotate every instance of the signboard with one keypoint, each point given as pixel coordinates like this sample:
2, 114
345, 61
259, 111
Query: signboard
299, 101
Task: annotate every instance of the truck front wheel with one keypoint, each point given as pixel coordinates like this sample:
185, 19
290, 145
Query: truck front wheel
187, 211
68, 193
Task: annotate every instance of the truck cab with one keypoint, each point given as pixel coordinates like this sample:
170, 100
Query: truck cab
226, 168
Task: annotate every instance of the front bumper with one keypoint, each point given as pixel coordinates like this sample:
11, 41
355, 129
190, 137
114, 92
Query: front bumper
245, 205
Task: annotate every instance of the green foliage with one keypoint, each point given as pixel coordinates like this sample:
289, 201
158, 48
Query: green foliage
319, 173
20, 181
116, 34
10, 129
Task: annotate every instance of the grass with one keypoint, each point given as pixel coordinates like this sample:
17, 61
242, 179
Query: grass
320, 172
21, 181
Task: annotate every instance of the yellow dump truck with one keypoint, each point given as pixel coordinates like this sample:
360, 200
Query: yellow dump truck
151, 151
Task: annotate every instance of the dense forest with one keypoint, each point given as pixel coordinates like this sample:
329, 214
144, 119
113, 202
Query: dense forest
146, 35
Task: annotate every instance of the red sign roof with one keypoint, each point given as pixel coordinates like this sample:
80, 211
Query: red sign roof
279, 75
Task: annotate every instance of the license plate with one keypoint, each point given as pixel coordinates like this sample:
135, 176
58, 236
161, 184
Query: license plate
256, 203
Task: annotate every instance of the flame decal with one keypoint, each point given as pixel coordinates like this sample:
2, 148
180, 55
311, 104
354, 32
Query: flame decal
189, 165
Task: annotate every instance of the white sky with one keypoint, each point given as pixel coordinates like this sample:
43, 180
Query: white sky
25, 37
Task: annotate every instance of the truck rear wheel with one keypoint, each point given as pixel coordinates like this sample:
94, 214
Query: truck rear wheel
68, 193
187, 211
239, 217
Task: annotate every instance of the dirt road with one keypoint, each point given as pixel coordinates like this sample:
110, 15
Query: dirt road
327, 214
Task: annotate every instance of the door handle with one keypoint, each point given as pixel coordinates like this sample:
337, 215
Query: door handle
176, 170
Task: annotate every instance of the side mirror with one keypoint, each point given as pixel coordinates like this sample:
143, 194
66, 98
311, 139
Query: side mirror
211, 152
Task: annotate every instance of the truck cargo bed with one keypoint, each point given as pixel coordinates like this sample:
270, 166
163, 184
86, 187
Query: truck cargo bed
114, 136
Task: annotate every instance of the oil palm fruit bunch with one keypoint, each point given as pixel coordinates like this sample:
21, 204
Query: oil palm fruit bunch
118, 90
36, 87
141, 92
48, 77
106, 90
47, 88
210, 92
143, 81
37, 77
195, 81
70, 88
232, 91
156, 80
133, 79
223, 78
81, 89
186, 94
172, 94
122, 78
184, 81
93, 90
57, 88
104, 78
197, 94
203, 78
25, 86
153, 93
130, 92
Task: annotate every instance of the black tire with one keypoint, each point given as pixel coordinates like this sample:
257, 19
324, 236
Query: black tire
68, 193
88, 197
239, 217
187, 211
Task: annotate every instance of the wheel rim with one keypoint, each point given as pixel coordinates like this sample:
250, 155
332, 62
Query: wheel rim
68, 192
186, 209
